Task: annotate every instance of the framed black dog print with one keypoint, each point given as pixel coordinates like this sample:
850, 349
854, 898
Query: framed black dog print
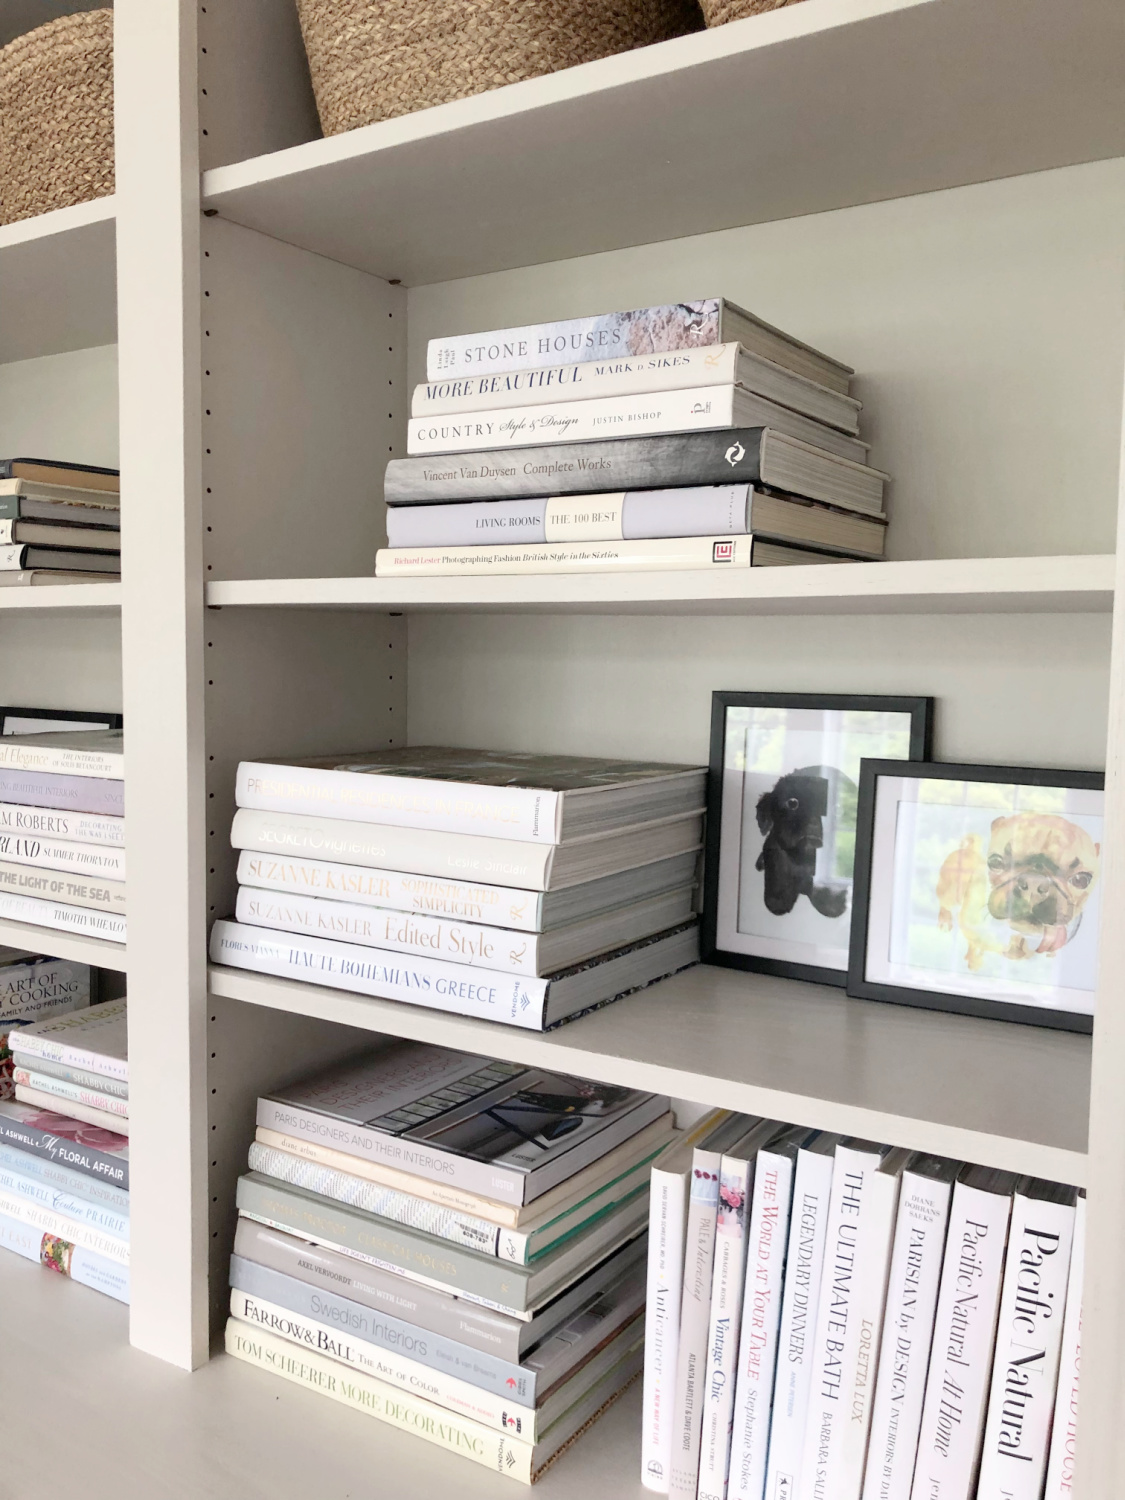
783, 793
978, 890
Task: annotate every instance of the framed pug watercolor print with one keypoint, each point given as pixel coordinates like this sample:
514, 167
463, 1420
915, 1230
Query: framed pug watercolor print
978, 890
782, 800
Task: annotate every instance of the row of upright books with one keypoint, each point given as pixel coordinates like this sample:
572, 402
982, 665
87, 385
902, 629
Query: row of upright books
452, 1245
64, 1122
829, 1319
687, 436
59, 523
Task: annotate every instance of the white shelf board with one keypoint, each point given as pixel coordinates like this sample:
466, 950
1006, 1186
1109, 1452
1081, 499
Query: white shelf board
810, 107
137, 1428
976, 585
88, 598
58, 281
68, 945
1007, 1096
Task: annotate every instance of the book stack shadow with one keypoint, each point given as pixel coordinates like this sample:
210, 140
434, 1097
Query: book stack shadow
64, 1123
452, 1245
688, 437
520, 888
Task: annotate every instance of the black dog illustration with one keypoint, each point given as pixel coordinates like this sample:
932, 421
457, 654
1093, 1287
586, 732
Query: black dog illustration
791, 817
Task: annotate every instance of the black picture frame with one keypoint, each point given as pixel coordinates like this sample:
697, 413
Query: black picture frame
859, 987
60, 715
921, 713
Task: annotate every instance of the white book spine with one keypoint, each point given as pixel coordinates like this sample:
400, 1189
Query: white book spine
761, 1315
385, 1364
508, 812
57, 854
727, 1282
495, 906
88, 891
61, 760
67, 1092
665, 1285
908, 1330
837, 1344
663, 554
81, 1265
516, 1000
78, 919
1028, 1344
420, 850
104, 1019
50, 1221
463, 943
964, 1337
695, 1308
117, 1124
77, 828
1064, 1429
804, 1265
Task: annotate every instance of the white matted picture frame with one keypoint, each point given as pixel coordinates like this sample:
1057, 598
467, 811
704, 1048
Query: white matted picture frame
782, 802
978, 891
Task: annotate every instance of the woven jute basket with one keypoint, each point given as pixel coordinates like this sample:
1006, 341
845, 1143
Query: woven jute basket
372, 59
56, 115
719, 12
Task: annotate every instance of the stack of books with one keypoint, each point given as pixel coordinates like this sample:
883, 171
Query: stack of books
64, 1148
59, 523
680, 437
452, 1245
519, 888
835, 1318
62, 831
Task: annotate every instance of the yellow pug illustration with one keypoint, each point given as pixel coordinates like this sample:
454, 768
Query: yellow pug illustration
1035, 880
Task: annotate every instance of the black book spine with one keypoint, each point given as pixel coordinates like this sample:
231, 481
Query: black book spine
668, 461
112, 1169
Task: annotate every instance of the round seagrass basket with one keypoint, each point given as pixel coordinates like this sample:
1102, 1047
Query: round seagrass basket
719, 12
372, 59
56, 115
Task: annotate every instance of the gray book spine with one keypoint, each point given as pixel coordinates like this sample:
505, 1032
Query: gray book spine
731, 456
118, 1087
65, 1179
463, 1272
407, 1302
57, 885
429, 1349
79, 794
94, 1163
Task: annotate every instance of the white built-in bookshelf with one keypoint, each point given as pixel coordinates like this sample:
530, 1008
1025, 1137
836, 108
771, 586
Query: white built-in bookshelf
934, 190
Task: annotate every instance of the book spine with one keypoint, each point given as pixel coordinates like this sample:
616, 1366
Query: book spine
115, 1124
576, 340
68, 793
695, 1309
403, 1340
515, 1000
67, 1153
761, 1315
728, 1278
665, 1283
40, 1194
964, 1337
908, 1330
804, 1264
388, 1203
458, 900
61, 1255
1064, 1428
836, 1342
73, 1093
675, 554
71, 1054
447, 1391
493, 1450
463, 943
51, 1221
386, 1292
57, 854
61, 760
64, 1178
78, 828
12, 557
96, 1081
1028, 1344
72, 890
392, 1246
79, 919
458, 856
593, 380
